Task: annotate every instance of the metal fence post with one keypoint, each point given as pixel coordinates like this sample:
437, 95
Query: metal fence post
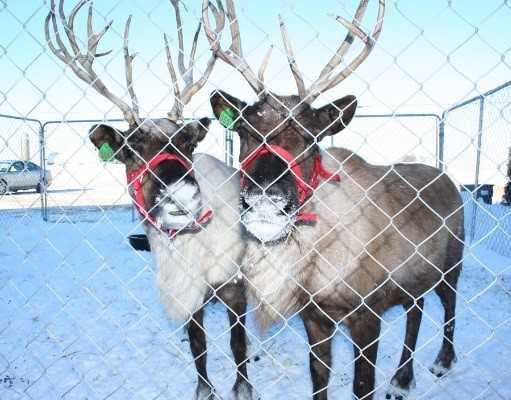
478, 163
229, 147
441, 142
42, 180
479, 139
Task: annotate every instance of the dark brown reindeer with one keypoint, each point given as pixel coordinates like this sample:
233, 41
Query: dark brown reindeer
187, 202
335, 238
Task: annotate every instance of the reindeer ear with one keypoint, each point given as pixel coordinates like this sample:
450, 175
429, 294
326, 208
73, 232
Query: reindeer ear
192, 134
107, 140
199, 130
227, 109
336, 116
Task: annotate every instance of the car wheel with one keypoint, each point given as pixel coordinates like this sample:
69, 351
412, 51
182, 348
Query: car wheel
3, 187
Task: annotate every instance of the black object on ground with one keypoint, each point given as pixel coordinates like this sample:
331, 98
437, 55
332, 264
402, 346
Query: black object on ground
139, 242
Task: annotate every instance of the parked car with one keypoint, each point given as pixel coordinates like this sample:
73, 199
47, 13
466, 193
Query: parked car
22, 175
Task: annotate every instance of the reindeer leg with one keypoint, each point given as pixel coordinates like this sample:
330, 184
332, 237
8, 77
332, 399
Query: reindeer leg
320, 330
403, 378
365, 330
234, 298
446, 290
446, 357
197, 336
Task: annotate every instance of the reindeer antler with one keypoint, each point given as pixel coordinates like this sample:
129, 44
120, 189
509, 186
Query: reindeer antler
183, 97
234, 54
325, 80
81, 62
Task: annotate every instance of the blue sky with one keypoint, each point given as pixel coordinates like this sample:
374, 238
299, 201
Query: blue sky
429, 55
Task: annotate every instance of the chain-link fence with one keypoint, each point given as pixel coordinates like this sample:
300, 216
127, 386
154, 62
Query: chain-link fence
474, 132
287, 259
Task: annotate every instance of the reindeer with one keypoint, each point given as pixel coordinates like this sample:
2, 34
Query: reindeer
186, 202
334, 238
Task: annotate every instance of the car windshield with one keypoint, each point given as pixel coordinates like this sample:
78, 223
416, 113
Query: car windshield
32, 167
18, 166
4, 166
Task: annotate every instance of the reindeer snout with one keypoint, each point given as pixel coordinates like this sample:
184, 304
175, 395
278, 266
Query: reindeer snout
183, 195
178, 204
265, 205
267, 216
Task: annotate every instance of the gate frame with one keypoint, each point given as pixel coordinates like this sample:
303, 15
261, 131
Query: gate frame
480, 131
42, 157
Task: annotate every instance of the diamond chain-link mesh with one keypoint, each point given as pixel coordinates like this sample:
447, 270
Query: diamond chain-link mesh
294, 252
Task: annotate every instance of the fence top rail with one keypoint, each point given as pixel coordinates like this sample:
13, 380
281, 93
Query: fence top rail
91, 120
477, 98
399, 115
388, 115
77, 121
22, 119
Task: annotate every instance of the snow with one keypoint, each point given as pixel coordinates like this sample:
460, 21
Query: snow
80, 318
265, 219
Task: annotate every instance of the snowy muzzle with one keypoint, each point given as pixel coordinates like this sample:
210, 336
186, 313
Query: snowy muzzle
177, 206
270, 216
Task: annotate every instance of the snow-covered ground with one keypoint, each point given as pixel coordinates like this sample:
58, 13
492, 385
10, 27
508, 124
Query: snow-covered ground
80, 319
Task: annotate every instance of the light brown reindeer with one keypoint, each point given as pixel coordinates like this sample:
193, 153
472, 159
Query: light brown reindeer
188, 204
335, 238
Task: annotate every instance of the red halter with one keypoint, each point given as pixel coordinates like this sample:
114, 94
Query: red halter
135, 181
305, 189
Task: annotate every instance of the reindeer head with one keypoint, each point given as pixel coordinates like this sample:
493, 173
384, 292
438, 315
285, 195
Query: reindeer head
157, 153
279, 135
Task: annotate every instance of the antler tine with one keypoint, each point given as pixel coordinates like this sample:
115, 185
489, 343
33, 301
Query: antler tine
193, 50
337, 58
234, 27
213, 35
234, 55
264, 64
69, 25
176, 112
325, 81
190, 90
128, 66
183, 97
179, 27
94, 38
302, 92
82, 64
61, 52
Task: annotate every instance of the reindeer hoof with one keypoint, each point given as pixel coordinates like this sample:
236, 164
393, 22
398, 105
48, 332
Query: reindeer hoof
205, 391
243, 391
440, 368
398, 391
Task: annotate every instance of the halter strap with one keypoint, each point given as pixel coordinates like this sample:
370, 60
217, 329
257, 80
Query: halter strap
135, 181
305, 189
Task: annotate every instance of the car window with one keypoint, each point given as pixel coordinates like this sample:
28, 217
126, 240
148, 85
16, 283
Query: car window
4, 166
18, 166
32, 167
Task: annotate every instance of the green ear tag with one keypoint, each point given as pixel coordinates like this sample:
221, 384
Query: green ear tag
227, 118
106, 153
